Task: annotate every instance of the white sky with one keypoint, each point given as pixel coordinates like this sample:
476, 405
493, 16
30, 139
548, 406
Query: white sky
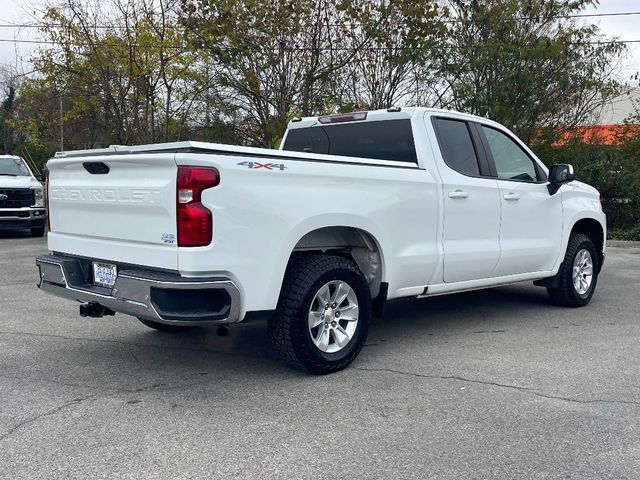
623, 27
16, 55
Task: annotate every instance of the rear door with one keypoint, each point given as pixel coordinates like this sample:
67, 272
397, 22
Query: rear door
120, 208
531, 224
471, 203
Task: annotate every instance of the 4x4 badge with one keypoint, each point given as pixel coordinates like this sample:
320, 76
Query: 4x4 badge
267, 166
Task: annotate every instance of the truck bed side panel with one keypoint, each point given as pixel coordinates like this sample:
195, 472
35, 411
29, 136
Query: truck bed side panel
260, 214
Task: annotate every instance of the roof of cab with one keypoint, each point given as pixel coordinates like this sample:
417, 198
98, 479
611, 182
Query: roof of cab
390, 114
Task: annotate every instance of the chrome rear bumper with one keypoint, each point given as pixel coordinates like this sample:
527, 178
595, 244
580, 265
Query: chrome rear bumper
158, 296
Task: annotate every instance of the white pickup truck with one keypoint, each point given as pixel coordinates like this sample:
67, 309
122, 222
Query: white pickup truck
21, 197
352, 211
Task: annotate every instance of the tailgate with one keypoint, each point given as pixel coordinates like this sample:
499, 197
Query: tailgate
120, 208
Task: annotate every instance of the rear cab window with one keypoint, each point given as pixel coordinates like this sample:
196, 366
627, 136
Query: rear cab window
456, 146
381, 140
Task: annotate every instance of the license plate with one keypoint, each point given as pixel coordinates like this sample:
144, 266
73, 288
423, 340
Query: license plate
104, 274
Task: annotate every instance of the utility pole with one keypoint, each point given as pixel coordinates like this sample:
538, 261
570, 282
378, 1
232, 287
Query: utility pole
61, 127
207, 116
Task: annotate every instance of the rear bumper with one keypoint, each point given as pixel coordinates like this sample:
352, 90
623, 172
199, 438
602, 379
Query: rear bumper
154, 295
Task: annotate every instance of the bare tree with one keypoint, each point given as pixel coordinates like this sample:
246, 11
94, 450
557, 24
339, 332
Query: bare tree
121, 68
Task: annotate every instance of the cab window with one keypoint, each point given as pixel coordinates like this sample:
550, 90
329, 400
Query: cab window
511, 161
383, 140
457, 146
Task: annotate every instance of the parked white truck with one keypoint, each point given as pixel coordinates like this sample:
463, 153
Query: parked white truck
352, 211
21, 197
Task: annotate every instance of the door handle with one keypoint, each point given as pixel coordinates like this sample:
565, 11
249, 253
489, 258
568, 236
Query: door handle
458, 194
511, 196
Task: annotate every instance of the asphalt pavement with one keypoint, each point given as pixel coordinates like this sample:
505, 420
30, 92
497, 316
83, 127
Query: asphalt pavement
495, 384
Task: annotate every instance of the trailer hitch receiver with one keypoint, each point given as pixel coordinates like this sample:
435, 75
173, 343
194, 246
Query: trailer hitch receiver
94, 310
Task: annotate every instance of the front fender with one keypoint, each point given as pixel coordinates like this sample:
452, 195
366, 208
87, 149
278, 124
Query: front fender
579, 202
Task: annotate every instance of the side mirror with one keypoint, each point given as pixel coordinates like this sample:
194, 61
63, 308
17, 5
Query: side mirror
559, 175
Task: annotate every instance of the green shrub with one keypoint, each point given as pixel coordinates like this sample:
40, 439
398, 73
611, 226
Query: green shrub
632, 233
613, 169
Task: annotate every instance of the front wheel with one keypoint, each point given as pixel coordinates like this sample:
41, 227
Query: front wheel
323, 314
578, 273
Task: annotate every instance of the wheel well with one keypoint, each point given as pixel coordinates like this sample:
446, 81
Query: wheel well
593, 229
350, 242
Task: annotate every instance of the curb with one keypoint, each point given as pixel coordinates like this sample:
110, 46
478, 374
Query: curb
623, 244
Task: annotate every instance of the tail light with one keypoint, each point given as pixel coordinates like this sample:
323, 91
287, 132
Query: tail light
47, 205
195, 221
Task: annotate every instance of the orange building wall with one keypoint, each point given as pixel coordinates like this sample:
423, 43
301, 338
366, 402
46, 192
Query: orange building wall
598, 134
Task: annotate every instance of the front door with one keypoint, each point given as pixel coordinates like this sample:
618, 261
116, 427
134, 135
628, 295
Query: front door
531, 221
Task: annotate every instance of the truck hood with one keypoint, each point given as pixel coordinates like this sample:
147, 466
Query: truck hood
584, 188
18, 182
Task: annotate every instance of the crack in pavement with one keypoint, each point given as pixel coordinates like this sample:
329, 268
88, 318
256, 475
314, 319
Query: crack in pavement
442, 377
202, 378
52, 382
500, 385
48, 413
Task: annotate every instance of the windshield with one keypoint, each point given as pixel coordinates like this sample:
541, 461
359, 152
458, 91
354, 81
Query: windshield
14, 167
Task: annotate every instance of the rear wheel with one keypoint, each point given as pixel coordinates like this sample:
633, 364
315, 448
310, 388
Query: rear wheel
323, 314
163, 327
37, 231
578, 273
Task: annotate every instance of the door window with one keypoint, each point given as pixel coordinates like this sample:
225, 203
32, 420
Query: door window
456, 146
512, 162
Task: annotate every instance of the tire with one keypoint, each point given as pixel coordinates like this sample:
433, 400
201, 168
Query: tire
37, 232
163, 327
568, 293
309, 280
